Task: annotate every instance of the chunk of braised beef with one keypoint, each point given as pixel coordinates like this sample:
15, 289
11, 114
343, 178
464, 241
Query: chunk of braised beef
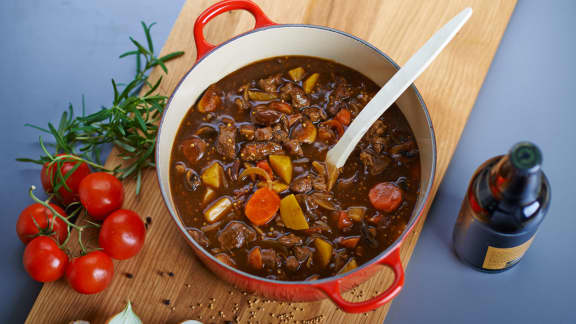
302, 253
244, 191
378, 143
241, 104
232, 171
193, 149
315, 114
225, 258
342, 91
235, 235
256, 151
199, 237
270, 259
297, 95
293, 119
301, 184
271, 83
279, 134
292, 263
226, 142
377, 129
402, 148
374, 163
319, 227
319, 183
326, 134
294, 148
263, 134
210, 100
247, 131
290, 239
264, 115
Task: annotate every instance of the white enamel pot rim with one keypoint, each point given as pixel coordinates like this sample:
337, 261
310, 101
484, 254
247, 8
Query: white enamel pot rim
310, 40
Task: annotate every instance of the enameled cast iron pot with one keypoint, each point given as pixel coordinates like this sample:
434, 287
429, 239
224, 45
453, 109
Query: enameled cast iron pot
269, 39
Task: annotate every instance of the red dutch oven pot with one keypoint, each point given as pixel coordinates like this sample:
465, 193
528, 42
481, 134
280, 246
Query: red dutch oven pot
266, 40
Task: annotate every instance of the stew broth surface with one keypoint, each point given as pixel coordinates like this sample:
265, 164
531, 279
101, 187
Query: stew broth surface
276, 107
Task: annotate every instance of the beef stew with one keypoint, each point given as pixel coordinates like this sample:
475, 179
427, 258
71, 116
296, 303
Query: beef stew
248, 178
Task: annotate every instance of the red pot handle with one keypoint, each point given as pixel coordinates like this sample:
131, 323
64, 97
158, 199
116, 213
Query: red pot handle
202, 46
332, 290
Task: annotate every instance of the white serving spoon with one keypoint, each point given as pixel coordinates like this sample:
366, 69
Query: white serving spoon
337, 156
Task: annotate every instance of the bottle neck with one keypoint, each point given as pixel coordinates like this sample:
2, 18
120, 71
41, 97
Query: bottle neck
517, 186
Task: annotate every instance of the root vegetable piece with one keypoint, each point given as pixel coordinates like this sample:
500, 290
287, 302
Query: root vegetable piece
292, 214
310, 83
323, 251
217, 210
282, 166
297, 74
262, 206
213, 176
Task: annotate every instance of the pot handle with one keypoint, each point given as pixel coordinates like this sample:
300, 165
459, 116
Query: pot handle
202, 46
332, 290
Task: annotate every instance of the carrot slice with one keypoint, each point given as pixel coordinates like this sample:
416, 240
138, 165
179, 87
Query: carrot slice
344, 221
385, 196
262, 206
349, 242
255, 258
266, 166
344, 116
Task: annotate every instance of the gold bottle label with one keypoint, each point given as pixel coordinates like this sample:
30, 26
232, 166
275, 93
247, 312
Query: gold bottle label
502, 258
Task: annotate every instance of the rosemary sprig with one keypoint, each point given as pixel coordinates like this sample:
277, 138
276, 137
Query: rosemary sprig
130, 122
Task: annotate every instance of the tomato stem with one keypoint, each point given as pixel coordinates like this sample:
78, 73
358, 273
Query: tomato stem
54, 212
77, 158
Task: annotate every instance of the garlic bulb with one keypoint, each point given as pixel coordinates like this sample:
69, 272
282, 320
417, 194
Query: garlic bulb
127, 316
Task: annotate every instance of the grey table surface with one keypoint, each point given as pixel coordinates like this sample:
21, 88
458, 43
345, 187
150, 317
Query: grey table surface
54, 51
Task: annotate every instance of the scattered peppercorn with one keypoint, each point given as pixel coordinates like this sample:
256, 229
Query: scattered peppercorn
166, 302
128, 275
171, 274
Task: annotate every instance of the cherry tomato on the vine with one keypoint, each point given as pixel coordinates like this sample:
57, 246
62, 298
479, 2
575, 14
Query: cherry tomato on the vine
122, 234
44, 260
50, 179
36, 219
101, 193
90, 273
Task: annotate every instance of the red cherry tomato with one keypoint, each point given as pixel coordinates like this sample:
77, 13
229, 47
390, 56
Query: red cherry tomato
50, 177
44, 260
122, 234
91, 273
27, 229
101, 193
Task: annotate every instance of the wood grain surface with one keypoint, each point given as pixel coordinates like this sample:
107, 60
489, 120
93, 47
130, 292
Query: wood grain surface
167, 272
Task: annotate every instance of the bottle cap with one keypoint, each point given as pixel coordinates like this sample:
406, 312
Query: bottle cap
525, 157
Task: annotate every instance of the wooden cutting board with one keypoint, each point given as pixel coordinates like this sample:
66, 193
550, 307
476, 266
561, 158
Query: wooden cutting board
167, 272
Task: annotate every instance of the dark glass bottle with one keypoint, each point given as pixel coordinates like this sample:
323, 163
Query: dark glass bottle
506, 201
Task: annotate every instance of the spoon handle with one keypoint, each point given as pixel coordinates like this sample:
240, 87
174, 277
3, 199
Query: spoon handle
337, 156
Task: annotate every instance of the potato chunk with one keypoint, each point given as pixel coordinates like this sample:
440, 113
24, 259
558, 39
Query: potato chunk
292, 214
323, 251
297, 74
356, 213
310, 83
349, 266
217, 210
282, 166
213, 176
